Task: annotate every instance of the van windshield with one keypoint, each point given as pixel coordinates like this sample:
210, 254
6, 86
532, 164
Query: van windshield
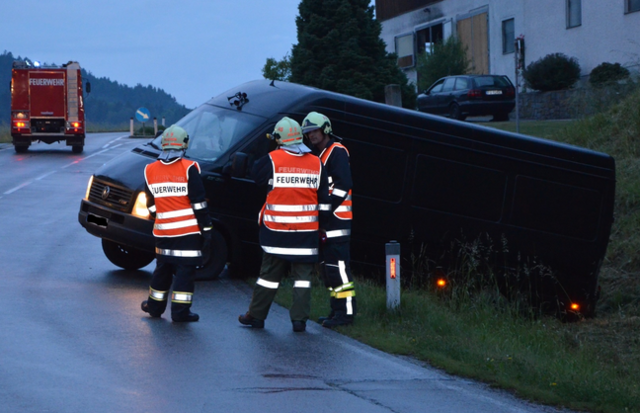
213, 131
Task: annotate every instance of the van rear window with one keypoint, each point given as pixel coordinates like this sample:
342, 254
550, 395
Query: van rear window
458, 188
557, 208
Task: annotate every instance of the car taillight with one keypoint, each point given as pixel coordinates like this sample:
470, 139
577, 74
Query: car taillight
510, 92
474, 94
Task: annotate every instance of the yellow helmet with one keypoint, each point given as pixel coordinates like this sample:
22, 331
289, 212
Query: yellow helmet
287, 132
316, 120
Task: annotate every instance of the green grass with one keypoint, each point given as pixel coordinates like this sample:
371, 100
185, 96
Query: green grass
5, 134
591, 365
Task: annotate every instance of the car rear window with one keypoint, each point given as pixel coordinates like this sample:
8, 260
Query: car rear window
490, 81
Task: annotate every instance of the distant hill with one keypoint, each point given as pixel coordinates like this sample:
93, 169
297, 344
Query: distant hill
109, 105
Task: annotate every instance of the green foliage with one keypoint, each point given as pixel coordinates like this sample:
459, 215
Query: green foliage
448, 58
277, 70
606, 73
339, 49
555, 71
110, 104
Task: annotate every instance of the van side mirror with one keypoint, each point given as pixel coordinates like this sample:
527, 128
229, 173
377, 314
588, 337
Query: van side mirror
238, 166
87, 88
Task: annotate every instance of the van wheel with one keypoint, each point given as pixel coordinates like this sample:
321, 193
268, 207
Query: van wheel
77, 148
126, 257
21, 148
455, 113
216, 259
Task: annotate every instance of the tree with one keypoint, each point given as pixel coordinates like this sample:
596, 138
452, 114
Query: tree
339, 49
448, 58
277, 70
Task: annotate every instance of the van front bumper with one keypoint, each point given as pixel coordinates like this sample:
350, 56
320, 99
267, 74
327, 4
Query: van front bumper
125, 229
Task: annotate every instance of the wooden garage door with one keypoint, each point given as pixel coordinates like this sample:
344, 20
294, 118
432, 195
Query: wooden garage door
473, 33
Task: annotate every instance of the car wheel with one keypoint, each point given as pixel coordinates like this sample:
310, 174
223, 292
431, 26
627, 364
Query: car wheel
454, 112
77, 148
126, 257
215, 260
21, 148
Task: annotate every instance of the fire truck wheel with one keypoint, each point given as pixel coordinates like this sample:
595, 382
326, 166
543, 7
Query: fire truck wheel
215, 260
77, 148
126, 257
21, 148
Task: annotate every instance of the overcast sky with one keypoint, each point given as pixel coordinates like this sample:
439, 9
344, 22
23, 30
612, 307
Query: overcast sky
193, 49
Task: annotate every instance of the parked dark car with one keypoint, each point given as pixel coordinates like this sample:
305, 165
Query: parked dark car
469, 95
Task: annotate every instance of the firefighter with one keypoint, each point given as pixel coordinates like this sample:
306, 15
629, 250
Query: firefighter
335, 260
296, 206
182, 229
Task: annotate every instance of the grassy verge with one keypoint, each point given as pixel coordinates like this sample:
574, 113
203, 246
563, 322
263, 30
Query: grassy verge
591, 365
5, 134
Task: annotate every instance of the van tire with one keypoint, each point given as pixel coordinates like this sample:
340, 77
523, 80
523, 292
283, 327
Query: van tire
215, 263
126, 257
77, 148
21, 148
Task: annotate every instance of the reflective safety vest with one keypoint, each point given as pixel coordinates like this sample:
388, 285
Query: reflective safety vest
344, 210
169, 185
292, 204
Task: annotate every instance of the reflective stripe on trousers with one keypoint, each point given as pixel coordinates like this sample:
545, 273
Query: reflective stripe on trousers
182, 297
179, 253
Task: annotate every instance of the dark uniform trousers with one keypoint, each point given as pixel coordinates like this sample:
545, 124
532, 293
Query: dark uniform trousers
272, 270
183, 287
337, 276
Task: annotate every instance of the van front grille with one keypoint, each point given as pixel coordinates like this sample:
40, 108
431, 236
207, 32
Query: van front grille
111, 195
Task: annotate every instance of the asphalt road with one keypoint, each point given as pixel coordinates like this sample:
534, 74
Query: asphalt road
73, 337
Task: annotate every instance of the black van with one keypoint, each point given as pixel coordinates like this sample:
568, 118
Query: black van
422, 180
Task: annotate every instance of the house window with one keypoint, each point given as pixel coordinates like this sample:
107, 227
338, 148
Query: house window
632, 5
574, 13
508, 37
404, 50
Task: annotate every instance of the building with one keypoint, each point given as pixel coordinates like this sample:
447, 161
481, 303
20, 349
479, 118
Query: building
592, 31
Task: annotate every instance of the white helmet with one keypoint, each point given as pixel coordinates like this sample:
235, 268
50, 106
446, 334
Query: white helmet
174, 138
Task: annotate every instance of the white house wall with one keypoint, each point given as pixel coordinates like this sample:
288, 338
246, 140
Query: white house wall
606, 33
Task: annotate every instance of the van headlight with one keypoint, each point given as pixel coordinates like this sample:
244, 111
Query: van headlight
86, 195
140, 207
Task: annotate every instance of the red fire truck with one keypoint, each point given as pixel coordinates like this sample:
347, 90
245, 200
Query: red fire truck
47, 105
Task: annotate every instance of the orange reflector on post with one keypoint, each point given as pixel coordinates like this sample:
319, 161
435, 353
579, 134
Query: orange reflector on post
392, 267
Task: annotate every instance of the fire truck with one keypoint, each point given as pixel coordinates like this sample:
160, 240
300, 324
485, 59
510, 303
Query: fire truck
47, 105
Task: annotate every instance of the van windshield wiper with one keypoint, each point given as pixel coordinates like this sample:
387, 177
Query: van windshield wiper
152, 144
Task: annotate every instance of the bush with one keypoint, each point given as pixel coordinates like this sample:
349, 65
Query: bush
606, 73
448, 59
555, 71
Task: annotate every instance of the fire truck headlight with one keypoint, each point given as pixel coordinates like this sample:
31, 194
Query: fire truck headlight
140, 207
86, 195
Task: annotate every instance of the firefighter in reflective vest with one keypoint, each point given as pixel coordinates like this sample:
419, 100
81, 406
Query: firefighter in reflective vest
296, 206
182, 229
336, 250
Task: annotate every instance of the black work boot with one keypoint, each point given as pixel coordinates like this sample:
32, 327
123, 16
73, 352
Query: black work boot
248, 320
185, 317
323, 319
299, 326
339, 319
151, 312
